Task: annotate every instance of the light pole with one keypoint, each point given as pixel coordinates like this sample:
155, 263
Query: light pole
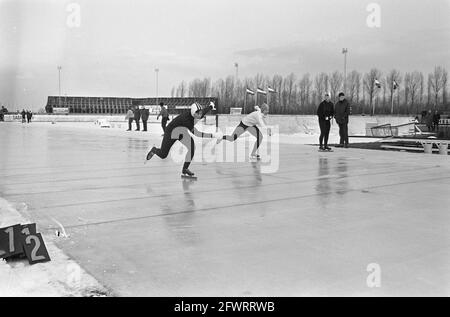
236, 65
59, 86
345, 51
156, 72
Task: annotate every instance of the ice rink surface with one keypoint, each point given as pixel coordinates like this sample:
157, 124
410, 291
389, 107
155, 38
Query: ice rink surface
313, 227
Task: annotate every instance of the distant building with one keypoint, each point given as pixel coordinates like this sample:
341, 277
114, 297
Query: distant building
118, 105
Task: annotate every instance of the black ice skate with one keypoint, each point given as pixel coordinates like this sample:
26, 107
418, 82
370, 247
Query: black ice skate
255, 157
186, 173
150, 154
328, 149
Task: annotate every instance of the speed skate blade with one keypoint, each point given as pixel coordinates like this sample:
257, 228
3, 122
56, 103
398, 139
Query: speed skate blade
189, 177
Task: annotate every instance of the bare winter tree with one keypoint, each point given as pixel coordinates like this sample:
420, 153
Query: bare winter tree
354, 86
305, 88
320, 85
384, 88
444, 86
336, 80
406, 90
277, 82
370, 87
182, 90
413, 87
436, 82
421, 89
290, 86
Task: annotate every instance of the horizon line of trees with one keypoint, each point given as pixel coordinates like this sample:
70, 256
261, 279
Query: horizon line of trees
369, 93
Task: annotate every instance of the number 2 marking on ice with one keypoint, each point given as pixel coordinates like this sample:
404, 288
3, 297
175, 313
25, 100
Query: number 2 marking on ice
37, 245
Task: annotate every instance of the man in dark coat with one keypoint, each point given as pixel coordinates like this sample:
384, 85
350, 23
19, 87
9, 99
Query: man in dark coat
165, 116
325, 112
137, 118
144, 115
29, 116
341, 113
436, 118
23, 113
429, 121
2, 113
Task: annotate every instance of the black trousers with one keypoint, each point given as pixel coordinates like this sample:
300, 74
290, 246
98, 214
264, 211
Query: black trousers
130, 121
343, 133
170, 137
325, 126
138, 126
164, 123
144, 123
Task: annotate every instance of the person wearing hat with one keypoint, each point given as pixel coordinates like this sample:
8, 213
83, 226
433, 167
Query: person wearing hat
180, 129
165, 116
341, 113
145, 113
325, 112
250, 123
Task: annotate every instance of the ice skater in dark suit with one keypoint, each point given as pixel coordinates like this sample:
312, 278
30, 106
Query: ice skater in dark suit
325, 112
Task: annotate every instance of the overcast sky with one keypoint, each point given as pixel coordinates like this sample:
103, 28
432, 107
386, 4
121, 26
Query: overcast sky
118, 44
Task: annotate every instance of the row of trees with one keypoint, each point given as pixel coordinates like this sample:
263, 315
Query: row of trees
369, 93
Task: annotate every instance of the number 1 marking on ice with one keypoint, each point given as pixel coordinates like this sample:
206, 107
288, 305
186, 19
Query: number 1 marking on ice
11, 239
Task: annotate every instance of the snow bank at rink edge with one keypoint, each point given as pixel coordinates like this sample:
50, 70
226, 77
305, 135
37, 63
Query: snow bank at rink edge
59, 277
294, 129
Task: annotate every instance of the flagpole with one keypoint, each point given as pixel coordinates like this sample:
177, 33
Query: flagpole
392, 99
245, 101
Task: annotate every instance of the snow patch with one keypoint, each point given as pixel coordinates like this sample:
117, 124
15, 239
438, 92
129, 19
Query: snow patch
59, 277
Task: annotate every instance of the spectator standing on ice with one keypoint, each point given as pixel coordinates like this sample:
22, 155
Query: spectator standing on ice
29, 116
144, 115
165, 116
341, 113
137, 118
3, 111
129, 117
436, 118
325, 112
429, 121
23, 113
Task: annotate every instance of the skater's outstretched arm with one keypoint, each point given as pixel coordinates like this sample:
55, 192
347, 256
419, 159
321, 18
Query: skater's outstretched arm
201, 134
261, 122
